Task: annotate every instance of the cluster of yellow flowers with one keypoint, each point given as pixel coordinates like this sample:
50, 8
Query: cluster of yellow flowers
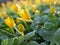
24, 13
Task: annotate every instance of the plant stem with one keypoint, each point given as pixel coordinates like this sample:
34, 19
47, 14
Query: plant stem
18, 31
26, 25
7, 32
12, 31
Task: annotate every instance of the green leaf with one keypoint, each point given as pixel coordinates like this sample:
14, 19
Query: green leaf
54, 43
44, 43
46, 11
32, 43
48, 25
56, 37
7, 41
34, 26
29, 35
13, 41
18, 40
46, 34
2, 37
41, 19
37, 19
29, 43
1, 21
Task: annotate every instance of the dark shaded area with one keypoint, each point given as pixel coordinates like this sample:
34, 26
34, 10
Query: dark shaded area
4, 1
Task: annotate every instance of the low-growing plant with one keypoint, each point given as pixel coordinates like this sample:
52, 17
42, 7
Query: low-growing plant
30, 23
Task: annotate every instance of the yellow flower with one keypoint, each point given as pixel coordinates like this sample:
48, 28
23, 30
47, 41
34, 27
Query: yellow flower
38, 2
9, 4
10, 22
14, 1
4, 14
21, 27
15, 7
54, 1
25, 15
29, 2
25, 3
48, 2
3, 5
34, 7
58, 2
52, 9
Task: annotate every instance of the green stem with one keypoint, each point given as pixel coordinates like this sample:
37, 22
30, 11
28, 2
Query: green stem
7, 32
18, 31
26, 25
12, 31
